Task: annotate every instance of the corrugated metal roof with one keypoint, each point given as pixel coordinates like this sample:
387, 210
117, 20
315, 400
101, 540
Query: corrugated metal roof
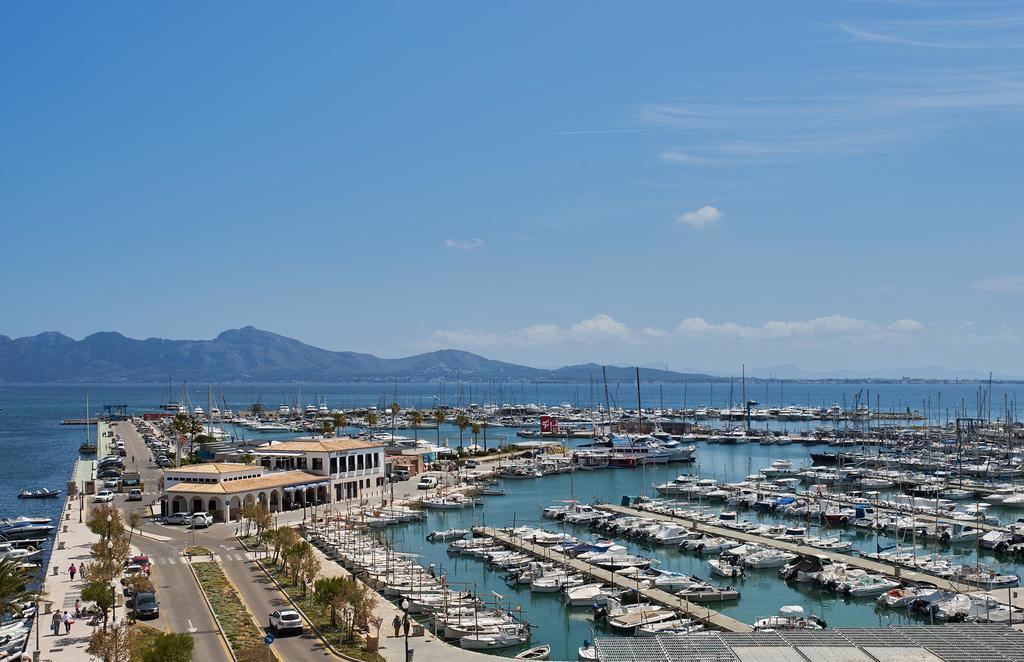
922, 643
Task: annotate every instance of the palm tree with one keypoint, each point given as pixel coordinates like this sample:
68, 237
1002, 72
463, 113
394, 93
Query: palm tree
371, 418
485, 425
340, 421
476, 432
14, 590
395, 408
327, 428
247, 457
439, 419
416, 418
184, 424
462, 421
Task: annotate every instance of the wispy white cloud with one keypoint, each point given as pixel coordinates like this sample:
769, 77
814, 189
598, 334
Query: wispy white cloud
701, 218
831, 326
464, 244
978, 31
1004, 284
603, 328
856, 114
599, 328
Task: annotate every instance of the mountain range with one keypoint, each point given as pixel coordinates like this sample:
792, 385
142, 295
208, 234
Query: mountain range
252, 355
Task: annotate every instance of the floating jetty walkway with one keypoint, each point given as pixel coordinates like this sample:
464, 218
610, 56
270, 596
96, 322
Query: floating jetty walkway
691, 610
870, 565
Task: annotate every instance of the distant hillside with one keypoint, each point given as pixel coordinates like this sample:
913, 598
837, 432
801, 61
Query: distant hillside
237, 355
252, 355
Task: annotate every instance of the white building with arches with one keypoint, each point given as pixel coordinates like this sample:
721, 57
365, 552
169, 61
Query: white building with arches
288, 475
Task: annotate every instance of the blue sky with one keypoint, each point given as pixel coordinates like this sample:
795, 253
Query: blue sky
827, 184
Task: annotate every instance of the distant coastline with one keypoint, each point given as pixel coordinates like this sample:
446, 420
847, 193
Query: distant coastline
252, 356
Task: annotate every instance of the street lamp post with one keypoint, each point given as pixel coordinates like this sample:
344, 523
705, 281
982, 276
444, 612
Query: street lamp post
405, 625
113, 595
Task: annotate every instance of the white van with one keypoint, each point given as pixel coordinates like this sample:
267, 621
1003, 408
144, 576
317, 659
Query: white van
427, 483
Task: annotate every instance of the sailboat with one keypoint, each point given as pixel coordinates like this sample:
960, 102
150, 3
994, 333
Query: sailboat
87, 448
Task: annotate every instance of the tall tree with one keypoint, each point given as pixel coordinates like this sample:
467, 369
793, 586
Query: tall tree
395, 408
439, 420
416, 418
340, 421
462, 422
325, 594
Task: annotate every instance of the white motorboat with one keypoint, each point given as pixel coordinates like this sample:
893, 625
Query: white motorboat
448, 534
769, 558
790, 618
505, 637
724, 568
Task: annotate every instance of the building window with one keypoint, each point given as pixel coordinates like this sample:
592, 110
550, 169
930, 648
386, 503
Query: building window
351, 462
301, 464
376, 460
318, 464
334, 465
359, 462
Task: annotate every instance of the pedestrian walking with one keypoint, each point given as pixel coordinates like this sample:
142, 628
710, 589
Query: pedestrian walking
68, 621
78, 608
55, 623
72, 570
397, 623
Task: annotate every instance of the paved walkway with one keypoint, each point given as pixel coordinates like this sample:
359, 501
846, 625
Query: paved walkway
61, 592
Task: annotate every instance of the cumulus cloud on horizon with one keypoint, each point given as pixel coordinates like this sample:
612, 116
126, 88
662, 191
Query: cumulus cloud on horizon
703, 217
1004, 284
603, 328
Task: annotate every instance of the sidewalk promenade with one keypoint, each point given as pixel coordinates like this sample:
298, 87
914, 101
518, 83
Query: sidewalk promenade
61, 592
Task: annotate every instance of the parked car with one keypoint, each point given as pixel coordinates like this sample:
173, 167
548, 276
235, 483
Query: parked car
135, 494
141, 560
286, 620
109, 473
201, 520
111, 483
177, 518
105, 496
471, 464
400, 474
145, 605
427, 483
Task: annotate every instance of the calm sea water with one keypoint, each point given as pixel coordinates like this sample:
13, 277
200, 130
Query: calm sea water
36, 451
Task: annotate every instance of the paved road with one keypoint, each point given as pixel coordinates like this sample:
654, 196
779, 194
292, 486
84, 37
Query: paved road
258, 593
182, 608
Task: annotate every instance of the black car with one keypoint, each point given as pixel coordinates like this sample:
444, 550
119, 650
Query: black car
145, 605
109, 473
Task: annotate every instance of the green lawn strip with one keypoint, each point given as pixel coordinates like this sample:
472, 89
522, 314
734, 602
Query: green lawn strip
321, 618
243, 635
251, 542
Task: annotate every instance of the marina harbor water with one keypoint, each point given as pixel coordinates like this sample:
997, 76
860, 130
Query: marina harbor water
842, 519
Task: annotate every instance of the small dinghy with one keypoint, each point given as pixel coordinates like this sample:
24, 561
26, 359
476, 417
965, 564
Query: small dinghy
536, 653
44, 493
448, 534
497, 491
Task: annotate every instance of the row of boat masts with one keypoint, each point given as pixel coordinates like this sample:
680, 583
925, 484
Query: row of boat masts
529, 415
